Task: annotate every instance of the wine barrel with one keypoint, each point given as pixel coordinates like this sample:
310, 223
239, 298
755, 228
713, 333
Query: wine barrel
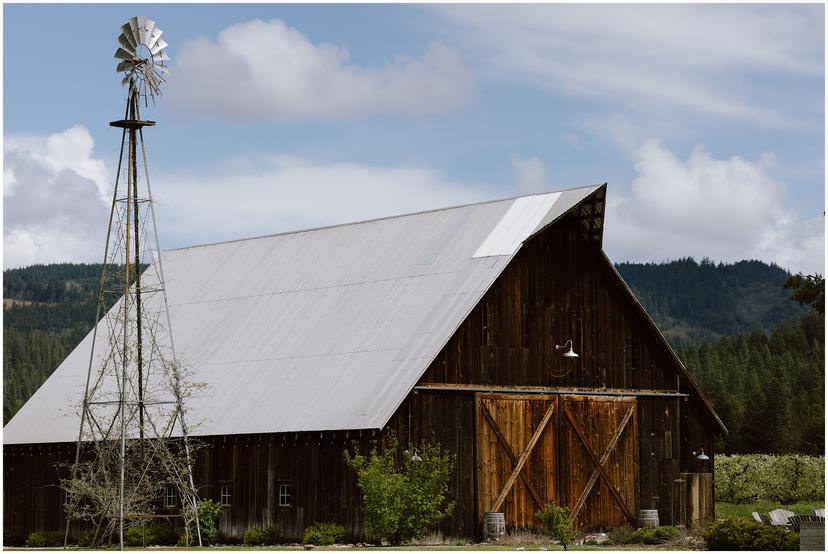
647, 518
494, 526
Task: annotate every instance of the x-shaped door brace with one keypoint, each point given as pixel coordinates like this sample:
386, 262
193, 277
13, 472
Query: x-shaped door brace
600, 470
519, 462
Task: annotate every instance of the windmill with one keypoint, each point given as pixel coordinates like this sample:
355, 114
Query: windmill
133, 440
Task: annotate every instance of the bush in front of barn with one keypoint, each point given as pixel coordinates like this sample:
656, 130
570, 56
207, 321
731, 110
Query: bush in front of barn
262, 536
324, 534
155, 534
743, 534
208, 520
788, 478
45, 539
402, 501
557, 524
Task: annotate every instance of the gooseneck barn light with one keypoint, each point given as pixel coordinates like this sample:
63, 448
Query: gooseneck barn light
569, 353
700, 455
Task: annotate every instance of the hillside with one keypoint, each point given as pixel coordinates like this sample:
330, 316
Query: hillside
47, 310
694, 303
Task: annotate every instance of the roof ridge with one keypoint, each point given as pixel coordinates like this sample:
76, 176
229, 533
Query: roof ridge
360, 222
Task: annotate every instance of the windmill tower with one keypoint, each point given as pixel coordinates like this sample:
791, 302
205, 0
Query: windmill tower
133, 449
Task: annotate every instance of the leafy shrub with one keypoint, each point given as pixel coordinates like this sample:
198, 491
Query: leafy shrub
654, 535
257, 536
157, 534
789, 478
621, 535
208, 519
743, 534
85, 539
324, 534
401, 502
557, 523
45, 539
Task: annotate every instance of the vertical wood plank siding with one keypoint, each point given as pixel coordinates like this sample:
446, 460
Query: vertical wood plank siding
558, 287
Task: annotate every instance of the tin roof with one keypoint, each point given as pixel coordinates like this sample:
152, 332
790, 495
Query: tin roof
323, 329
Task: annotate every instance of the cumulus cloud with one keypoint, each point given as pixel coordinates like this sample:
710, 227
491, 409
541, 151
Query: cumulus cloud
263, 195
530, 174
696, 58
266, 69
54, 208
726, 210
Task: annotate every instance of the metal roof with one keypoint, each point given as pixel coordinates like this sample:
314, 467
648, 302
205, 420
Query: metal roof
324, 329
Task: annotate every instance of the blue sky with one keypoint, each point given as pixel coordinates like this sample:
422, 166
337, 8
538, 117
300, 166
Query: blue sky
706, 121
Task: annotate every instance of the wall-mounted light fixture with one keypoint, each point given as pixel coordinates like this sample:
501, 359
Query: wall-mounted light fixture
700, 455
414, 457
569, 353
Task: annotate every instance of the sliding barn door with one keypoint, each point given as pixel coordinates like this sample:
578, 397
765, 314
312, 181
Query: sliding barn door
599, 460
516, 455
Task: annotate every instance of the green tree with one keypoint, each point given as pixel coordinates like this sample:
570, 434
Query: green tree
808, 290
401, 501
557, 524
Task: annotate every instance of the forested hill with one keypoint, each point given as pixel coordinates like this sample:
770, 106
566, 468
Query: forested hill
697, 302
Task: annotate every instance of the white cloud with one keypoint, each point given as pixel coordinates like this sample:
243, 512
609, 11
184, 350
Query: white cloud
726, 210
254, 196
530, 174
53, 204
696, 58
265, 69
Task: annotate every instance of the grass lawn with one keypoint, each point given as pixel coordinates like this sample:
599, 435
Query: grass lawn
726, 510
491, 547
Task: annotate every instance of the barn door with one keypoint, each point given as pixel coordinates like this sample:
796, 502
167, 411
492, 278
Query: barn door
599, 459
515, 455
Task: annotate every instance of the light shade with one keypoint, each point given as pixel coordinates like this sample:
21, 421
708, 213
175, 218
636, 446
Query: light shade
570, 353
700, 455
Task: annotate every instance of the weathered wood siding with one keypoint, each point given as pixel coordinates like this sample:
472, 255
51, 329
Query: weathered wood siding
558, 287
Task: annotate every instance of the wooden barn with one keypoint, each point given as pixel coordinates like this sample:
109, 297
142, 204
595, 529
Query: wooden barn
441, 325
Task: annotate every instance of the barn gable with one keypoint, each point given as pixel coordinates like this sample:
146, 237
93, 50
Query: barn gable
325, 329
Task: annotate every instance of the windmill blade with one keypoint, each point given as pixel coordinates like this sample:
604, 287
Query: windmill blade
158, 75
124, 66
127, 34
156, 34
160, 57
161, 69
145, 27
122, 54
160, 45
133, 26
125, 44
126, 79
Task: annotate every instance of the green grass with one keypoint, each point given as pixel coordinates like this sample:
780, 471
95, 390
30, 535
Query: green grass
727, 510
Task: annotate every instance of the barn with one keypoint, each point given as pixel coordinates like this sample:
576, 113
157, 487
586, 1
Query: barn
441, 325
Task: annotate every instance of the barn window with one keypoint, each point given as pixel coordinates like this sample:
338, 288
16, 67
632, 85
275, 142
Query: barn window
284, 494
170, 496
226, 492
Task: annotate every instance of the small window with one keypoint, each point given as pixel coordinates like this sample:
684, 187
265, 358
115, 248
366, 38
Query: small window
226, 493
284, 494
170, 496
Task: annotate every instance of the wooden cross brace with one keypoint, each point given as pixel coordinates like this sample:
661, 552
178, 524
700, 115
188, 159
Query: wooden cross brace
600, 470
521, 461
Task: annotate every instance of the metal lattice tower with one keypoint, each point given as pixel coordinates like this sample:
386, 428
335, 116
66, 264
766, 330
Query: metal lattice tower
133, 436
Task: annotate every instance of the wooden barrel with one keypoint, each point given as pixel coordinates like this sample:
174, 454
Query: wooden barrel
647, 518
812, 535
494, 526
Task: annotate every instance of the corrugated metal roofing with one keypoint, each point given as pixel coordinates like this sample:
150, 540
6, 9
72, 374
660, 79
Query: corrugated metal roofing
323, 329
